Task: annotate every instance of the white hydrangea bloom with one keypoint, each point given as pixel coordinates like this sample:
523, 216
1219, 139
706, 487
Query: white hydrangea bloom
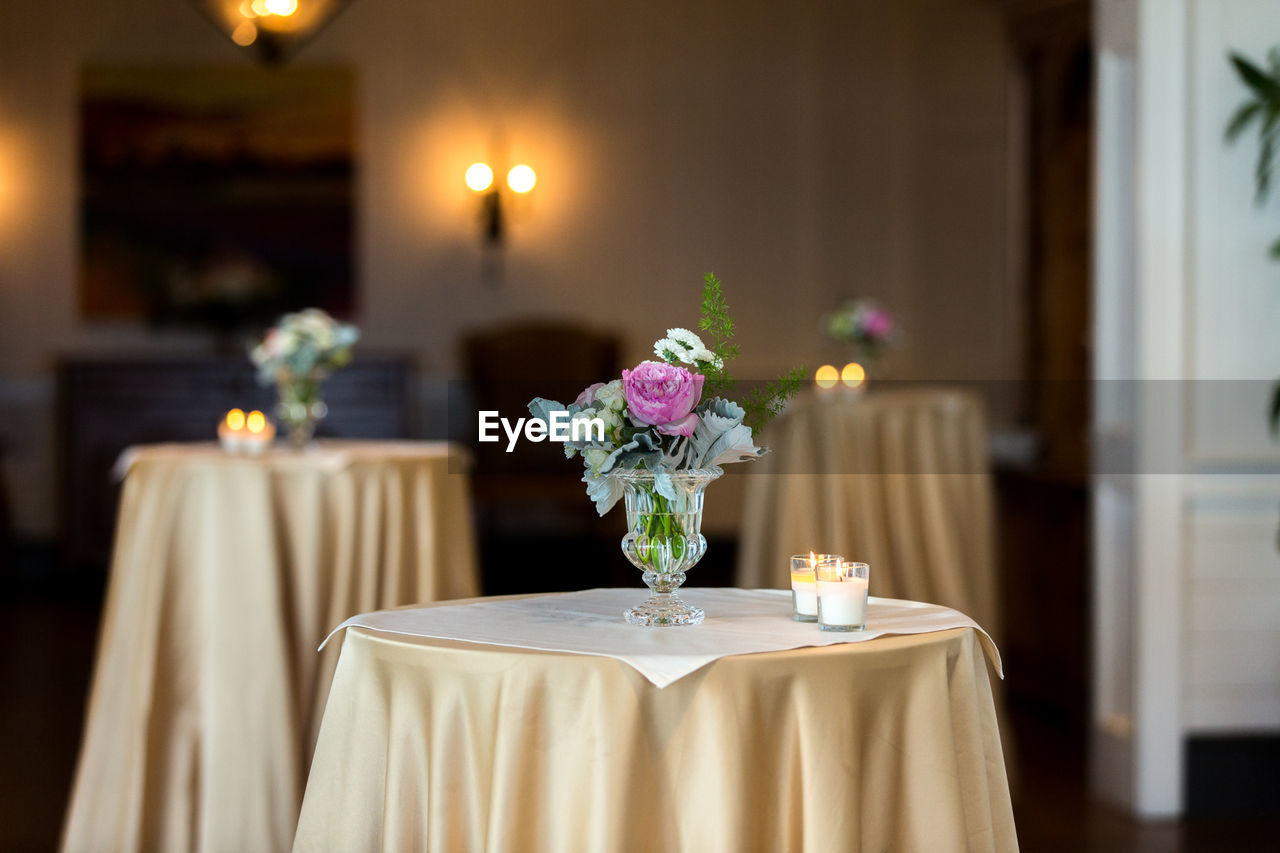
570, 451
612, 396
688, 339
612, 420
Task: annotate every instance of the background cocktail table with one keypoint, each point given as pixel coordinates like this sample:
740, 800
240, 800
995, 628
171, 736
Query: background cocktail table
227, 573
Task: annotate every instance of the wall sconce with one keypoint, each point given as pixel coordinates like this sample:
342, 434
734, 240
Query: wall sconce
521, 179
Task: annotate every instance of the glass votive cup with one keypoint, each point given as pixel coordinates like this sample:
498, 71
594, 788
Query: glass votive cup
804, 594
842, 596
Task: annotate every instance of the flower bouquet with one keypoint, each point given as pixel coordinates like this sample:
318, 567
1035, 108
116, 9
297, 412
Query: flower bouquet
864, 324
297, 355
665, 433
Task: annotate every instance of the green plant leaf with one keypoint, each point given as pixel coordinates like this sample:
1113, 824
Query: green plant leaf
1265, 164
1241, 119
1255, 78
1271, 122
1275, 410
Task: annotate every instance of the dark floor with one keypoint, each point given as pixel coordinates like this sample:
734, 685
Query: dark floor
47, 639
1054, 815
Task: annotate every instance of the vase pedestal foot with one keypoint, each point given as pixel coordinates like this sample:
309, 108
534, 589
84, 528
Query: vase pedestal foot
664, 609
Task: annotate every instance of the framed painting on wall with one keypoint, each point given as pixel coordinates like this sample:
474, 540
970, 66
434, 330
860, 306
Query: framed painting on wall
216, 197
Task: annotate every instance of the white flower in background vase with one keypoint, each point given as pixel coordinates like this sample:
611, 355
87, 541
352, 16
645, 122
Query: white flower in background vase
297, 355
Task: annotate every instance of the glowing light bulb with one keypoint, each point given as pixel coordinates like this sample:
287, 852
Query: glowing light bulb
479, 177
246, 9
853, 375
245, 34
521, 178
256, 422
283, 8
260, 8
235, 420
826, 376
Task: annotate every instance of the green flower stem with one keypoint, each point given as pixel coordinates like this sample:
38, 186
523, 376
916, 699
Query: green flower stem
661, 526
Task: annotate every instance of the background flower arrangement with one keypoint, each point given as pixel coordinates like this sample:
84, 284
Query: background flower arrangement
297, 355
864, 324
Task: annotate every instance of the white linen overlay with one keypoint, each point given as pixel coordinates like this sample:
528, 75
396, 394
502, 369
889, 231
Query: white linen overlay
739, 621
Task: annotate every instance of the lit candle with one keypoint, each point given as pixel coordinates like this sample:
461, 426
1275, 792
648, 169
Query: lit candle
804, 595
853, 375
826, 377
258, 433
241, 433
842, 597
230, 430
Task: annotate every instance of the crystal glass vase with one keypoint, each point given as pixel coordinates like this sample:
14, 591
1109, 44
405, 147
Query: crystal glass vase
301, 405
664, 539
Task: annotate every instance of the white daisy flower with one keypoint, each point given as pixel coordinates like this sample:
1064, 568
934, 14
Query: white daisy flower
706, 356
686, 338
669, 350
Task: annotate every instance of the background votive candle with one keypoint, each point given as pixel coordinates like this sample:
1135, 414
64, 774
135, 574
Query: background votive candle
258, 433
842, 596
804, 593
230, 429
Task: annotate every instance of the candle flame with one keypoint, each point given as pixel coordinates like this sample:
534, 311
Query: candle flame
813, 561
256, 421
853, 375
235, 420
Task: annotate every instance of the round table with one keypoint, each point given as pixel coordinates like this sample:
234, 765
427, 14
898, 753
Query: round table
227, 573
437, 745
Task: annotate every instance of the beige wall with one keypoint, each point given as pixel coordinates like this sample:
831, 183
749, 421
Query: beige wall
802, 150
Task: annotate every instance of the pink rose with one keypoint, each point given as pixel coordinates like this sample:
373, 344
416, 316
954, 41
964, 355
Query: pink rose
588, 395
663, 395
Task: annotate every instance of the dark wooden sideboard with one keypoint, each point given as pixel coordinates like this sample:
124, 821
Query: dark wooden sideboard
106, 405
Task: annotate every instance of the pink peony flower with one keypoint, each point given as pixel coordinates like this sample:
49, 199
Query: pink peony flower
588, 395
664, 396
878, 323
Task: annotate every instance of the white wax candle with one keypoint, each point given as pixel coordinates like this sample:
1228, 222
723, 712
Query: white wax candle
806, 594
842, 602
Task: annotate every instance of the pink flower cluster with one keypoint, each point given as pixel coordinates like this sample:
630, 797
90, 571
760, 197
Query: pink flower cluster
877, 323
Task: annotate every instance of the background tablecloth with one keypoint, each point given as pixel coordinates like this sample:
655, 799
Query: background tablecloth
899, 479
226, 575
437, 745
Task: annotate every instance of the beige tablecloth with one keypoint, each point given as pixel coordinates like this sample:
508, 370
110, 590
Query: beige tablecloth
898, 479
438, 745
227, 573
